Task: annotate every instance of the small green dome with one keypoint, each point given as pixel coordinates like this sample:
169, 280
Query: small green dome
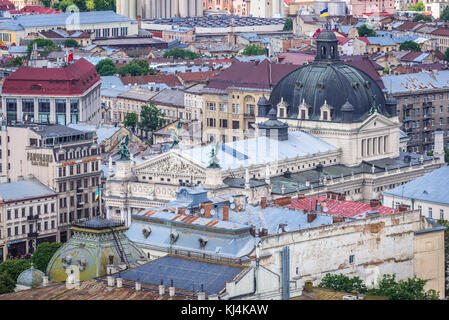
30, 278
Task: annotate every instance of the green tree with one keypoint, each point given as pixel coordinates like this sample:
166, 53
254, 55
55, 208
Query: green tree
14, 267
410, 45
386, 71
62, 5
288, 25
253, 50
445, 14
7, 284
103, 5
45, 45
46, 3
130, 120
90, 5
70, 43
342, 283
421, 17
151, 119
106, 67
417, 7
43, 254
410, 289
365, 31
143, 64
179, 53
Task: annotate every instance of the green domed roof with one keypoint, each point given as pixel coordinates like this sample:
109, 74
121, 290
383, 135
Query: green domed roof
336, 83
30, 278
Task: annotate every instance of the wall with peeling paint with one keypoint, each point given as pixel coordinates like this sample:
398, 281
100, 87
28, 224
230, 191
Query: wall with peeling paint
379, 245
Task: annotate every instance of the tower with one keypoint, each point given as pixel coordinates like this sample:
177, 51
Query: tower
327, 47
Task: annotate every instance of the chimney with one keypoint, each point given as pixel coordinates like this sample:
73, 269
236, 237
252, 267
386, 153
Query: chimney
318, 206
171, 289
337, 219
139, 22
138, 285
374, 203
403, 207
207, 206
301, 196
110, 281
45, 281
202, 294
252, 231
341, 197
226, 212
182, 211
161, 289
311, 217
119, 281
263, 202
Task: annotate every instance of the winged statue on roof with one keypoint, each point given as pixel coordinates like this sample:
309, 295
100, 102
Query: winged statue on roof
124, 148
213, 160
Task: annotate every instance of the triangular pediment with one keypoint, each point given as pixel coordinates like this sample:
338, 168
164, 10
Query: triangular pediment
377, 121
171, 162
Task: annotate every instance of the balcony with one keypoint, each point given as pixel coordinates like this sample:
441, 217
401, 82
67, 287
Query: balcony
31, 218
427, 115
249, 115
408, 118
79, 190
33, 234
80, 204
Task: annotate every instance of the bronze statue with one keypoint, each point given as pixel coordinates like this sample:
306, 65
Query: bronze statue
123, 148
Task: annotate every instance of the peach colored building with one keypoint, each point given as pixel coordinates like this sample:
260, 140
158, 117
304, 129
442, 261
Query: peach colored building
361, 7
182, 34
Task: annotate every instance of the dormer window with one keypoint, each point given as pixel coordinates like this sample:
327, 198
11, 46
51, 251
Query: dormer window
282, 109
326, 112
303, 110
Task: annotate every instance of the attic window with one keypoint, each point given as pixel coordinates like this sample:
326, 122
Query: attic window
35, 87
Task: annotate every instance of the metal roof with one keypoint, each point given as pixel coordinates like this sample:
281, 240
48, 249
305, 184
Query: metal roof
187, 274
432, 187
99, 223
413, 82
62, 19
24, 189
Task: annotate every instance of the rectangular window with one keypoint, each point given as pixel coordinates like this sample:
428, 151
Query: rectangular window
235, 124
430, 212
351, 259
441, 214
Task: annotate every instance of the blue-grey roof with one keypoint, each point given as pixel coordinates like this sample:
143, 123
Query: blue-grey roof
24, 189
18, 49
412, 82
103, 132
271, 217
186, 274
99, 223
62, 19
432, 187
381, 41
112, 86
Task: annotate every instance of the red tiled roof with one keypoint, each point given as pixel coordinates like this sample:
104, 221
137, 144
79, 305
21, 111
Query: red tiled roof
407, 25
411, 56
364, 39
347, 209
38, 10
6, 5
198, 76
263, 75
297, 58
169, 79
441, 32
75, 79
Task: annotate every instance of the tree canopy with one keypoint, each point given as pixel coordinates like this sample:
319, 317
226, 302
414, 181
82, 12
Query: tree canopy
83, 5
422, 17
70, 43
131, 120
14, 267
410, 289
106, 67
43, 254
151, 119
7, 284
445, 14
417, 7
410, 45
253, 50
178, 53
365, 31
288, 25
45, 45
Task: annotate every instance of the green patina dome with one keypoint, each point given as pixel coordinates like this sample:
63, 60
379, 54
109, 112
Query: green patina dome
30, 278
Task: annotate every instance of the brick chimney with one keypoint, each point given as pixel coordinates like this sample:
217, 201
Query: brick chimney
207, 206
336, 219
226, 212
374, 203
283, 201
182, 211
111, 281
263, 202
403, 207
311, 217
139, 22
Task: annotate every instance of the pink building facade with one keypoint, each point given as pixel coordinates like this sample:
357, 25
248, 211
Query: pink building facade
362, 7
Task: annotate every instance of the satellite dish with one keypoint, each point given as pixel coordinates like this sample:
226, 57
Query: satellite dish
212, 212
233, 206
325, 209
231, 199
202, 210
187, 211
